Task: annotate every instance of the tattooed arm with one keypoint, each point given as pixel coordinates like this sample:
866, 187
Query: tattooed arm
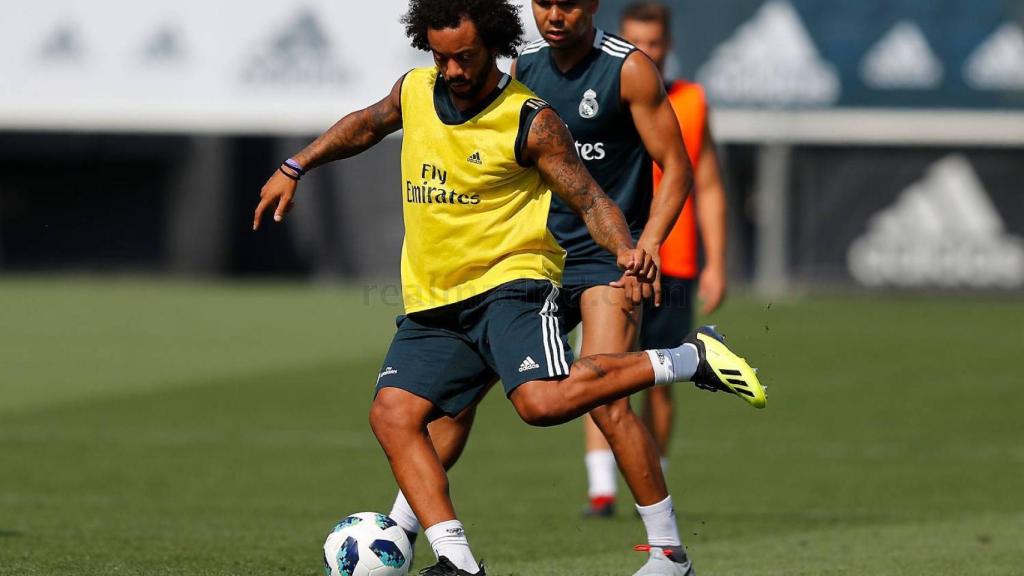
356, 132
551, 149
350, 136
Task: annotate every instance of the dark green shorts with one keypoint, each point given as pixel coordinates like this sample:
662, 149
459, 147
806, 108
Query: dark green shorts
450, 355
667, 325
580, 276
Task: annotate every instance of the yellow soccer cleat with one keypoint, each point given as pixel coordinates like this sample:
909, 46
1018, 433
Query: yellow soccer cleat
721, 369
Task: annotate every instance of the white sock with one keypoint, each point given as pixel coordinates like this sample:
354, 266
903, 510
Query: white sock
674, 364
601, 473
403, 515
660, 522
448, 539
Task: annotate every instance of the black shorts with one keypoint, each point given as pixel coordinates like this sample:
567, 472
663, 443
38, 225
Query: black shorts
451, 355
667, 325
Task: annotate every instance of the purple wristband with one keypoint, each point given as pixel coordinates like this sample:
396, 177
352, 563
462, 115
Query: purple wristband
295, 166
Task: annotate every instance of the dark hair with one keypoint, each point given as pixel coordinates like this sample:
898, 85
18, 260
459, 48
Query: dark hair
497, 22
649, 12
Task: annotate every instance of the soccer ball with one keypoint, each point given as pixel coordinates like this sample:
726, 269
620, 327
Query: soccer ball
367, 544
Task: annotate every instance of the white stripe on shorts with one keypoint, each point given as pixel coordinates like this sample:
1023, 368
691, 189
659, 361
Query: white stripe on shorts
544, 333
557, 365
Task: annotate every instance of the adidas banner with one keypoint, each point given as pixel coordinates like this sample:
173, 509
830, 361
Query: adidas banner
903, 218
186, 65
292, 67
871, 53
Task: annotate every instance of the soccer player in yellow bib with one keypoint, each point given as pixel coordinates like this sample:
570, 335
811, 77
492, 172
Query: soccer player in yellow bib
480, 270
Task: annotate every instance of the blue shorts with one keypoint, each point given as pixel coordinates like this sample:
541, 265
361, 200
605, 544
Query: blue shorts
451, 355
667, 325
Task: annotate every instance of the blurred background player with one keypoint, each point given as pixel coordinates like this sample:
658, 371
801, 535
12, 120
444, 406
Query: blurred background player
648, 26
613, 99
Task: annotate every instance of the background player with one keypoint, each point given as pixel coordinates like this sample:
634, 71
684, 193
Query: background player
648, 25
613, 99
479, 265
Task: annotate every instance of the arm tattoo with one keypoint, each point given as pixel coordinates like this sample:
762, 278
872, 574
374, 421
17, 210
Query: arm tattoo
556, 158
355, 132
592, 366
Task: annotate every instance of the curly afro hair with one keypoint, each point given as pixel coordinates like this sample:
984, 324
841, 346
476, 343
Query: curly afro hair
496, 20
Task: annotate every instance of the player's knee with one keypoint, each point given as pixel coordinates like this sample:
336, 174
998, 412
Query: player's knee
535, 409
388, 418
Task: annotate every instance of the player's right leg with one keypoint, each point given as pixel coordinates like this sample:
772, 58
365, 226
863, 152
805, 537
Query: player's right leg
430, 370
399, 420
449, 436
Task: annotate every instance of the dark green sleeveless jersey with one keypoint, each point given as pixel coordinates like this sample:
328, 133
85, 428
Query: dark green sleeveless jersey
588, 98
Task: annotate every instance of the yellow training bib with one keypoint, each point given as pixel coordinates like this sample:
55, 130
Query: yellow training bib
475, 215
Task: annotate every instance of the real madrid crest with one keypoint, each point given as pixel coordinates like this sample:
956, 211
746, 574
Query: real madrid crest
589, 105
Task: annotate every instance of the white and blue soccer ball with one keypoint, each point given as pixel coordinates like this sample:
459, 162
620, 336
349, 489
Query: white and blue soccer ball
367, 544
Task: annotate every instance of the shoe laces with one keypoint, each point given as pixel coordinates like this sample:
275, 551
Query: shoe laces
647, 548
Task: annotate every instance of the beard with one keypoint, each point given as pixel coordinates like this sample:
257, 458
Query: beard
470, 89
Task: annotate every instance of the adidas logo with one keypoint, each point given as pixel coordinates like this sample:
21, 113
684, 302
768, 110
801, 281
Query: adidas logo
942, 231
998, 64
387, 372
300, 53
902, 60
163, 46
63, 45
475, 159
770, 60
528, 364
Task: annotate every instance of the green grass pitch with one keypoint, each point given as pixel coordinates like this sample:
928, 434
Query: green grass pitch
188, 429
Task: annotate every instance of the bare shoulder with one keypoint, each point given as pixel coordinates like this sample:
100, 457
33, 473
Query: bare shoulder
640, 79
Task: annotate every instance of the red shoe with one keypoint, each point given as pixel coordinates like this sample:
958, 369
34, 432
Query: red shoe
600, 507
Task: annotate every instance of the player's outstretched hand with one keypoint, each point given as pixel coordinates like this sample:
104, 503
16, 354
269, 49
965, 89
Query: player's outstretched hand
278, 192
638, 262
634, 289
652, 288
